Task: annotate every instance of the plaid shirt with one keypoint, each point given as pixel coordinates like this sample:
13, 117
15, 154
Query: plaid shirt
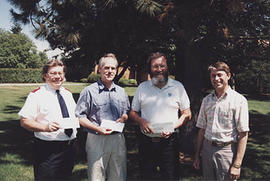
222, 118
97, 103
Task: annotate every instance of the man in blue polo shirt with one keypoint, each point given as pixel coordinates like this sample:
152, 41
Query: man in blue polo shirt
99, 102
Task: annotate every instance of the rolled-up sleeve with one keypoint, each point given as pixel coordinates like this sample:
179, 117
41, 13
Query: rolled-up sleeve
84, 103
127, 108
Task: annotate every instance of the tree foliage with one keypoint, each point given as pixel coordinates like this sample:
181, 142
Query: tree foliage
18, 51
193, 33
16, 28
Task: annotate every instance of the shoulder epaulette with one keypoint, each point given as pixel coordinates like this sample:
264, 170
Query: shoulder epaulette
67, 89
36, 90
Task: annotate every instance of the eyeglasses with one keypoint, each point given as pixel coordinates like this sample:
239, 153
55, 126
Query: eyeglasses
159, 66
56, 73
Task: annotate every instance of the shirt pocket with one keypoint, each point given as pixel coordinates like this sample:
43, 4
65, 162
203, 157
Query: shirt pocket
226, 119
100, 102
99, 105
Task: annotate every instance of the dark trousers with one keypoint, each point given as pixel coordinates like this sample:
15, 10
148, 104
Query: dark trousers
159, 158
53, 160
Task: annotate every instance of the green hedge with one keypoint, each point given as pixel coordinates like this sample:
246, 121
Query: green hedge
123, 82
17, 75
91, 78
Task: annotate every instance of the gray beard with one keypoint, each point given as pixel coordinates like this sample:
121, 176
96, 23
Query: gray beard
160, 81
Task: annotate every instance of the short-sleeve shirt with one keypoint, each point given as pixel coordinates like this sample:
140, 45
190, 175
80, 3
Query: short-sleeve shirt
160, 105
98, 103
42, 106
223, 118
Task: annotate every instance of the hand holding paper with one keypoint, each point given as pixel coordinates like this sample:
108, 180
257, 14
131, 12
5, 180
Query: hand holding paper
162, 127
114, 126
67, 123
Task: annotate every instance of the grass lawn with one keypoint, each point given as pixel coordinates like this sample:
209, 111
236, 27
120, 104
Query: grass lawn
16, 142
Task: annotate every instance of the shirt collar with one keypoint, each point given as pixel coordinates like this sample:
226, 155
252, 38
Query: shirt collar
51, 89
227, 93
102, 87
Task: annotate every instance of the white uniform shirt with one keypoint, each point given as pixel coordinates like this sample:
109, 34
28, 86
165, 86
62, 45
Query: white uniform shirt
222, 118
42, 106
160, 105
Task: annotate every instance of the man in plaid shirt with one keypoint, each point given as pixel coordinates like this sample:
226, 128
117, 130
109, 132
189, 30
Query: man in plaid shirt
223, 122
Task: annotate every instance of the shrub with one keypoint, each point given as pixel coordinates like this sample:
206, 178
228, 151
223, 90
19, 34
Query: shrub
84, 80
127, 82
123, 81
132, 82
17, 75
93, 77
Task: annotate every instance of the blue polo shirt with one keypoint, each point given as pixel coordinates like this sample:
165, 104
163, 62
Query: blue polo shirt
97, 103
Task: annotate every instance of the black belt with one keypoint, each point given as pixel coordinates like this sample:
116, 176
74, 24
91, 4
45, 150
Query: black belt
157, 139
96, 133
64, 142
219, 143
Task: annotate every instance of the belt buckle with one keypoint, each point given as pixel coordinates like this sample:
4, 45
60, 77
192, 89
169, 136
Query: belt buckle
220, 144
69, 142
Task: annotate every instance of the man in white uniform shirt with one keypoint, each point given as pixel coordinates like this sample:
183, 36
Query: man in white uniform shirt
155, 108
223, 122
53, 146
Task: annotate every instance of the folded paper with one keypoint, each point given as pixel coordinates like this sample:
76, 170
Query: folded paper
113, 125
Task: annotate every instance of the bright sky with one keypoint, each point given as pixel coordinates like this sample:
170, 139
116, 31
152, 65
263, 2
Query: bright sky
6, 24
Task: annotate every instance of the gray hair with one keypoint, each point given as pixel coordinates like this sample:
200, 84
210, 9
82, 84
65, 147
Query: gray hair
111, 55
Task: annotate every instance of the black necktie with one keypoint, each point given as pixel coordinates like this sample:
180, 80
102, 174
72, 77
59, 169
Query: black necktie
64, 111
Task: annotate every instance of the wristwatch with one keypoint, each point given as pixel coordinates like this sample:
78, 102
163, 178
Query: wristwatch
236, 165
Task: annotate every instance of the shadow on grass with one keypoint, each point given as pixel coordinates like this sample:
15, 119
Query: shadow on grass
259, 97
16, 147
257, 158
11, 109
17, 142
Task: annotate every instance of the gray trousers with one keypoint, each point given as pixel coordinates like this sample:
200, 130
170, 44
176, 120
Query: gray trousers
216, 161
106, 157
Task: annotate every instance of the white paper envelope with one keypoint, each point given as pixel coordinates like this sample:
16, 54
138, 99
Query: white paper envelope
159, 127
66, 123
115, 126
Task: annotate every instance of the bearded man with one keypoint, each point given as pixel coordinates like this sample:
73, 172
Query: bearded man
155, 107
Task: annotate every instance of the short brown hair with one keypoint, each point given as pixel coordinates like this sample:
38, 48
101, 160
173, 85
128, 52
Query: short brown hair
220, 66
52, 63
154, 56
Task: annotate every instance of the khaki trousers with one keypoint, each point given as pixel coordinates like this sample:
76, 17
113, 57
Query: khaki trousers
106, 156
216, 161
